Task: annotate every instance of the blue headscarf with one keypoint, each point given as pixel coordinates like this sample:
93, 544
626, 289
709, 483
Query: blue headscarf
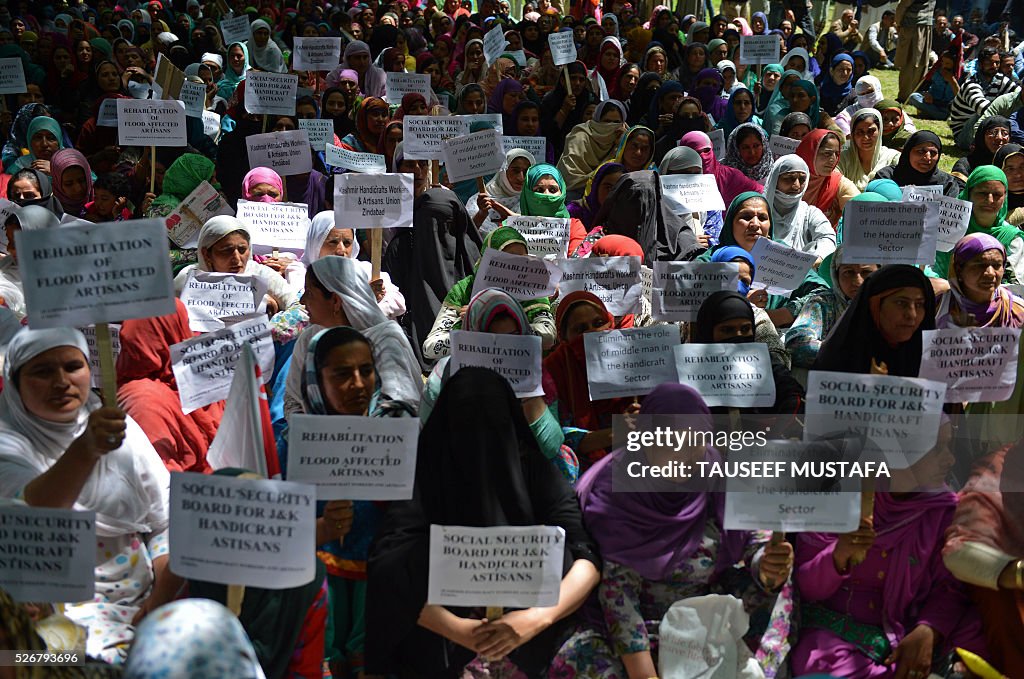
831, 93
731, 253
764, 18
729, 121
654, 110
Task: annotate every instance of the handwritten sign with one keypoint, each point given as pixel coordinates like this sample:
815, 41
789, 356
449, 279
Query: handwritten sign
107, 115
193, 97
548, 237
319, 131
782, 146
679, 288
354, 458
779, 268
204, 203
759, 49
509, 566
629, 362
717, 143
523, 277
475, 155
211, 298
275, 226
692, 192
204, 366
148, 122
287, 153
400, 84
94, 353
537, 146
95, 273
517, 358
494, 43
977, 364
731, 375
900, 416
316, 54
369, 163
12, 76
252, 532
889, 233
615, 280
270, 93
563, 47
47, 555
374, 201
236, 29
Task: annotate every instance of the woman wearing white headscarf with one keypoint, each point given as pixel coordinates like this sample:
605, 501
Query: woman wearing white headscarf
863, 154
337, 293
802, 53
267, 56
59, 448
324, 239
501, 193
868, 92
224, 248
372, 79
797, 224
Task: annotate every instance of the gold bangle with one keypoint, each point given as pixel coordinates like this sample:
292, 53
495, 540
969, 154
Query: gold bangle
1020, 574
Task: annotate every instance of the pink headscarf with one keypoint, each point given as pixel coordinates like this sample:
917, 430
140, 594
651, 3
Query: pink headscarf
61, 162
744, 26
261, 175
731, 182
335, 77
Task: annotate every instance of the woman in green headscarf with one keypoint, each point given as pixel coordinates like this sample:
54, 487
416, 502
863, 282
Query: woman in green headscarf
44, 137
182, 178
544, 195
235, 68
986, 189
538, 311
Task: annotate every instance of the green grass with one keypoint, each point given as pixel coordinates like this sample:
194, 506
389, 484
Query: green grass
950, 153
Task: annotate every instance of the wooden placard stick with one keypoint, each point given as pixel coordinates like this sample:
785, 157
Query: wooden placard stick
480, 188
108, 372
266, 122
236, 594
568, 84
493, 613
376, 244
867, 516
152, 169
435, 172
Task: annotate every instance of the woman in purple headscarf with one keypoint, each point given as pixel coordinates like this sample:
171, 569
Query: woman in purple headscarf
661, 542
598, 187
731, 182
708, 90
505, 98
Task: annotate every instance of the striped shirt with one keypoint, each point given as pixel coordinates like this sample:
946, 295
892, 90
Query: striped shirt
973, 99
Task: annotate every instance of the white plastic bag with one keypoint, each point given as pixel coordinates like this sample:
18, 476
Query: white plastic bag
702, 638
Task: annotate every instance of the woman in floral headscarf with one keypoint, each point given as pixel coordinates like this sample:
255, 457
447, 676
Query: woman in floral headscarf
371, 118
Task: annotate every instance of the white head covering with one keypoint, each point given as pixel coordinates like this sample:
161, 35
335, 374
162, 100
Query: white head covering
785, 209
397, 365
213, 57
799, 52
269, 56
871, 98
319, 229
127, 488
499, 186
849, 158
215, 229
166, 38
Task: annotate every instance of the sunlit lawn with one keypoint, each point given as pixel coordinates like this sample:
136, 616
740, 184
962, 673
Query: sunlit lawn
891, 87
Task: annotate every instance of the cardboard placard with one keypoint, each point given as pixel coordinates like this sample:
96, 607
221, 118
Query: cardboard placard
47, 555
423, 137
629, 362
889, 233
537, 146
275, 226
252, 532
193, 97
107, 115
563, 47
270, 93
400, 84
236, 29
510, 566
779, 268
287, 153
679, 288
517, 358
200, 206
12, 76
954, 214
374, 201
316, 54
95, 273
475, 155
717, 143
977, 364
213, 298
367, 163
522, 277
759, 49
730, 375
354, 458
615, 280
782, 146
692, 192
319, 131
167, 79
149, 122
548, 237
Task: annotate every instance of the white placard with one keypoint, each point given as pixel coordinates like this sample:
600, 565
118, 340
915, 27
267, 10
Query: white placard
151, 122
319, 131
354, 458
316, 54
717, 143
977, 364
679, 288
889, 233
270, 93
537, 146
204, 366
523, 277
730, 375
494, 43
517, 358
211, 125
548, 237
275, 226
200, 206
508, 566
630, 362
778, 504
95, 273
900, 416
368, 163
563, 47
779, 268
252, 532
47, 555
692, 192
287, 153
373, 201
759, 49
615, 280
193, 97
782, 146
114, 329
475, 155
236, 29
954, 218
492, 120
12, 76
423, 137
210, 298
519, 56
107, 116
400, 84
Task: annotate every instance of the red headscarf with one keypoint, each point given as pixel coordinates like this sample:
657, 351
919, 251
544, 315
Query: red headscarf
821, 189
